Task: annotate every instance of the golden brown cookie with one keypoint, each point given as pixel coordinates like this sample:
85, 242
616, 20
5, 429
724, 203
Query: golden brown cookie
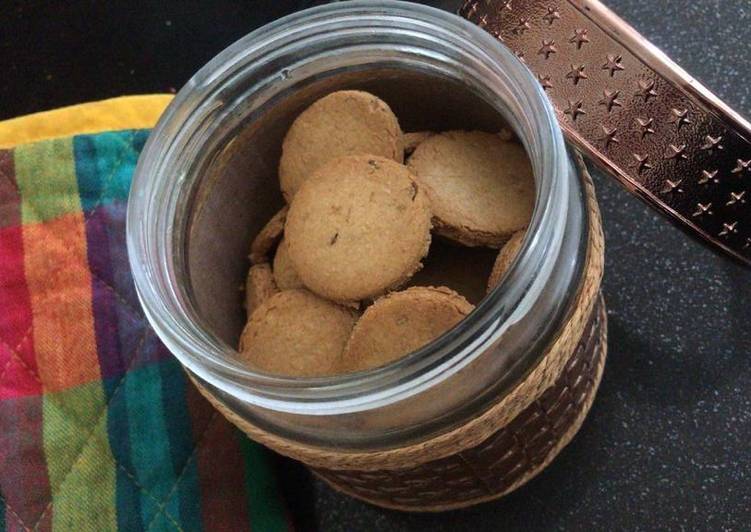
357, 228
297, 333
481, 188
402, 322
259, 286
267, 237
505, 257
342, 123
411, 140
284, 273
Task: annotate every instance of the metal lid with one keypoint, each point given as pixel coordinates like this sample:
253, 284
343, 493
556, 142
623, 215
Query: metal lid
635, 113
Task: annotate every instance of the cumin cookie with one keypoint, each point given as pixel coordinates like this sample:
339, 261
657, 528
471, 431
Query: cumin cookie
284, 273
400, 323
267, 237
259, 286
481, 188
296, 333
505, 257
357, 228
342, 123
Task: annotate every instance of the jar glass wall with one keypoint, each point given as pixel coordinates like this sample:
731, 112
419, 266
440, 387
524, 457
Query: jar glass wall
206, 182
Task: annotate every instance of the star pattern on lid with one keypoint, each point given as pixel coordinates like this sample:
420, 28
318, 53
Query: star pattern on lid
576, 74
712, 143
728, 229
641, 163
551, 16
646, 89
676, 152
548, 48
609, 137
579, 38
545, 81
610, 99
613, 64
741, 166
709, 176
522, 27
737, 198
702, 209
645, 126
679, 118
574, 109
672, 186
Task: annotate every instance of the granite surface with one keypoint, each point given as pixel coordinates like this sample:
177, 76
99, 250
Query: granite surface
666, 445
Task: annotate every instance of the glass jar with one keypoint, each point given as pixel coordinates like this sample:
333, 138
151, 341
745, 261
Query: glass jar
206, 182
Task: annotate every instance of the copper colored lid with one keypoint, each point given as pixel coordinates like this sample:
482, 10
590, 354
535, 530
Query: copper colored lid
634, 112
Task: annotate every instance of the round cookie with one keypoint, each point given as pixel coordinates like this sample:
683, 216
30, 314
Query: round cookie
481, 188
357, 228
400, 323
342, 123
505, 257
259, 286
284, 273
298, 334
267, 237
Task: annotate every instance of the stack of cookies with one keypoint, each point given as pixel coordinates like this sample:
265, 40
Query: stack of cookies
326, 290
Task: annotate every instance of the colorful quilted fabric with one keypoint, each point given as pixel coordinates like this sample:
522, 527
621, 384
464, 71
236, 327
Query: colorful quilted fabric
99, 427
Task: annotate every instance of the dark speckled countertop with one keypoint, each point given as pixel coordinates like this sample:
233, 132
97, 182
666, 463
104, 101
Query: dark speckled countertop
668, 442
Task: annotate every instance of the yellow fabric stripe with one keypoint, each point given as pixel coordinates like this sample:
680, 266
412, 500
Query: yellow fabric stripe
125, 112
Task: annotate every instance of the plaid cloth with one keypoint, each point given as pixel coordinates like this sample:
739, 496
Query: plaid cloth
99, 428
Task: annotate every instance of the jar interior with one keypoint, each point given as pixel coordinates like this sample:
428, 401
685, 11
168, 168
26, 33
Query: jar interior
238, 191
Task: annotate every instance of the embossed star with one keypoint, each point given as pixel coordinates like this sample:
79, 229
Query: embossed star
712, 143
646, 89
520, 55
672, 186
641, 163
545, 81
471, 9
680, 118
741, 166
610, 99
548, 47
728, 229
645, 124
613, 64
576, 74
574, 109
523, 26
483, 20
506, 4
609, 137
551, 16
737, 197
580, 38
702, 209
495, 31
676, 152
707, 177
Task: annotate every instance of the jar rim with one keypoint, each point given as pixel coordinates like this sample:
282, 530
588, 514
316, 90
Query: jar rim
152, 260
